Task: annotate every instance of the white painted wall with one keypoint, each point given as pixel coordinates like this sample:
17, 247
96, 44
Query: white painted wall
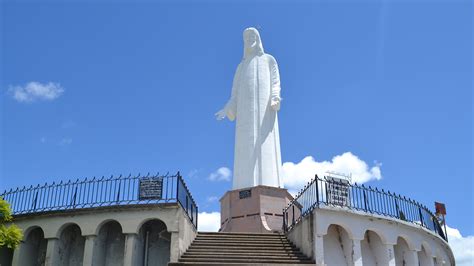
75, 238
338, 235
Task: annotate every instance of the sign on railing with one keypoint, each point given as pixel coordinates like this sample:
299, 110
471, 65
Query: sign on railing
338, 191
150, 188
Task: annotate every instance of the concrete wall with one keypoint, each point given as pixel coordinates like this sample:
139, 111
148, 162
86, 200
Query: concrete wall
339, 236
107, 235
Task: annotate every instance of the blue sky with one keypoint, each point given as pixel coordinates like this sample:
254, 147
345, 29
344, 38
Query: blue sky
389, 81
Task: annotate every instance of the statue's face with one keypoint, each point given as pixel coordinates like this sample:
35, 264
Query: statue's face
250, 39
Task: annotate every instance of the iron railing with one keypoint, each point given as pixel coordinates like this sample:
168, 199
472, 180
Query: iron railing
339, 193
99, 192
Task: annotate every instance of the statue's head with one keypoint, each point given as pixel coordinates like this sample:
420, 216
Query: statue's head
252, 42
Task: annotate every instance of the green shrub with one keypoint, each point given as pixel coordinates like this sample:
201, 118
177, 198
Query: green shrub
12, 235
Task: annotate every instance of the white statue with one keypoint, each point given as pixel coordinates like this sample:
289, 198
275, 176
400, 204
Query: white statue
254, 103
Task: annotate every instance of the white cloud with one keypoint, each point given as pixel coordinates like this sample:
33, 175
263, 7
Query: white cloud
212, 199
192, 173
65, 141
209, 222
221, 174
463, 247
34, 91
295, 176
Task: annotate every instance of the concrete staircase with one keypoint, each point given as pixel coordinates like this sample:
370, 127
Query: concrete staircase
242, 249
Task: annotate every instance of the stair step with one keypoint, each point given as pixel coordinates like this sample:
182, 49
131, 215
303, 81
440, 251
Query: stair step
210, 248
249, 252
241, 238
253, 241
264, 260
236, 263
210, 243
243, 255
220, 247
240, 234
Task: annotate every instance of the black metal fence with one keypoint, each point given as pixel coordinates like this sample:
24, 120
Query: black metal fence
341, 193
98, 192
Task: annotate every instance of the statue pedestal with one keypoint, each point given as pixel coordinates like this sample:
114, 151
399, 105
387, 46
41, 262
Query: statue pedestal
256, 209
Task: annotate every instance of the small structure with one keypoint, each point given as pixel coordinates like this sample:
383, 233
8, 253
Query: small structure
364, 226
147, 220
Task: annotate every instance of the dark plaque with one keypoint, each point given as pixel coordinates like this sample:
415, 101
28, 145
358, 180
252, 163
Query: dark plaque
245, 194
150, 189
338, 191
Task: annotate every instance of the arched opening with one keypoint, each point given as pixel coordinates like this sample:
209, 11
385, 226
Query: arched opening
441, 258
109, 245
71, 246
373, 250
423, 258
402, 253
33, 249
154, 243
337, 246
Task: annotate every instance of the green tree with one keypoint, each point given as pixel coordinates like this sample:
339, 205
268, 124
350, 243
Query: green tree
10, 236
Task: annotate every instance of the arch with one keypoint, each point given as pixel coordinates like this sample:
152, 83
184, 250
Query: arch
428, 249
109, 246
337, 246
424, 259
409, 241
33, 248
104, 222
380, 233
441, 258
27, 231
373, 250
144, 221
346, 228
63, 227
71, 245
154, 243
402, 253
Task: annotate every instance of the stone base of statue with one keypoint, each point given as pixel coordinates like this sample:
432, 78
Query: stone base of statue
256, 209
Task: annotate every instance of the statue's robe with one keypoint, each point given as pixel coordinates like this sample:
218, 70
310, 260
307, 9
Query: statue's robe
257, 157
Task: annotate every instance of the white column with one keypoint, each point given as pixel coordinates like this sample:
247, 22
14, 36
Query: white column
356, 252
389, 254
89, 250
52, 252
175, 252
412, 256
319, 250
17, 255
130, 249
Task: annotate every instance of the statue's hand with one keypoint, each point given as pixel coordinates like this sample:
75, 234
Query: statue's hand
220, 114
275, 103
